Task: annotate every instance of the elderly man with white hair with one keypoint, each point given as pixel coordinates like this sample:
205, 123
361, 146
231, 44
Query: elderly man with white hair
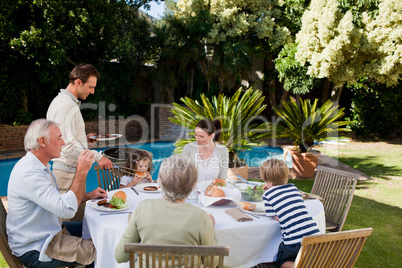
36, 207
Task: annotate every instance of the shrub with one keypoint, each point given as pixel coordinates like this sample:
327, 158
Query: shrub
375, 109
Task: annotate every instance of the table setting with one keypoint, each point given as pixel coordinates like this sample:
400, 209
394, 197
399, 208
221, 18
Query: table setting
252, 237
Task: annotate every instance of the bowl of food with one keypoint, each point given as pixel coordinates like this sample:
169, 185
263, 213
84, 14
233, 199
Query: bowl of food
250, 192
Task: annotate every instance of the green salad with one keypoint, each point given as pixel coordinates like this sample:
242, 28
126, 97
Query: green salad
118, 203
253, 193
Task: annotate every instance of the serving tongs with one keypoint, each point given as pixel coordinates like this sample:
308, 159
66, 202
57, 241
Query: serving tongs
246, 181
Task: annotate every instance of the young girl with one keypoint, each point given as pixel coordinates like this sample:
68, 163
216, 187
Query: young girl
141, 164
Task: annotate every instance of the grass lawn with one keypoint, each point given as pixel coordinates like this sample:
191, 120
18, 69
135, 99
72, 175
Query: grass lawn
377, 203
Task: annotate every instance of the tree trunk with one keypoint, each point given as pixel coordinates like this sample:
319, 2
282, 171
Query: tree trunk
24, 100
191, 81
325, 90
285, 95
272, 85
336, 94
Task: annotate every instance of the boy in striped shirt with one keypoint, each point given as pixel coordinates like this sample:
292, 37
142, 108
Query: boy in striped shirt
284, 202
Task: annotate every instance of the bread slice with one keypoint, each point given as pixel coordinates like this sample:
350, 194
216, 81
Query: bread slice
216, 192
208, 191
247, 205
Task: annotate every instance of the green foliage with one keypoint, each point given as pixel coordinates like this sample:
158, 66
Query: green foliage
41, 41
357, 8
306, 123
227, 36
242, 127
293, 75
292, 12
376, 109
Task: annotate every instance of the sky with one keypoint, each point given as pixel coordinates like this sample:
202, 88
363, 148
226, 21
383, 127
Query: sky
156, 9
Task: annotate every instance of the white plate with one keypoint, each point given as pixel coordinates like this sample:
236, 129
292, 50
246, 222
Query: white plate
259, 209
140, 187
112, 137
102, 208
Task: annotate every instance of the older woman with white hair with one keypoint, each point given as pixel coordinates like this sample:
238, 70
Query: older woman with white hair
170, 220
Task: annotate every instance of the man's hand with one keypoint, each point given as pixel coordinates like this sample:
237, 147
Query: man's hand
98, 193
105, 163
85, 160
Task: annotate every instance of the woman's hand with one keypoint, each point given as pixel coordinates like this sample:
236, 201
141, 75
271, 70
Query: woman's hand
212, 219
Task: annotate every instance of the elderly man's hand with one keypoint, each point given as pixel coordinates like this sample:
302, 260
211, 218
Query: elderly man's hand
105, 163
85, 160
98, 193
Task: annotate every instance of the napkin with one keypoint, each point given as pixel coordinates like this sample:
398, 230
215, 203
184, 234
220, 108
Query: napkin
238, 215
307, 196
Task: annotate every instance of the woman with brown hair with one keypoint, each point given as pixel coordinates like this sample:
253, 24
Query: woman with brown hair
211, 157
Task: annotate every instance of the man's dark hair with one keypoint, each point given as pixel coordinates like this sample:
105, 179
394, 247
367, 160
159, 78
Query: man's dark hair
83, 72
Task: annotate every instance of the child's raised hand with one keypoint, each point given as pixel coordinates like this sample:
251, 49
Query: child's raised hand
136, 179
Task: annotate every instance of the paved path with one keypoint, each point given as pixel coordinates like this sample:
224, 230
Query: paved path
325, 160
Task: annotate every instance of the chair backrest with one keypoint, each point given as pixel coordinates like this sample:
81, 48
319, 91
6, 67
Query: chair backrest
4, 248
336, 187
178, 255
340, 249
108, 179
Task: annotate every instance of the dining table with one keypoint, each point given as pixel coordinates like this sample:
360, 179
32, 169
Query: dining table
250, 242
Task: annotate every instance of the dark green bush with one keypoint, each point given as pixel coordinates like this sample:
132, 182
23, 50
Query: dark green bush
376, 109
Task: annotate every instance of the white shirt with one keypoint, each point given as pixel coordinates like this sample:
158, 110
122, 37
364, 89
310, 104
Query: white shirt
35, 207
222, 154
207, 169
65, 110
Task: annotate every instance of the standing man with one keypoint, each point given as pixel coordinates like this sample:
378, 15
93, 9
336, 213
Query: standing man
65, 111
36, 207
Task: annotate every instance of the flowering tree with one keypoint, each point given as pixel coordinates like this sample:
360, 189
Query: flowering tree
340, 49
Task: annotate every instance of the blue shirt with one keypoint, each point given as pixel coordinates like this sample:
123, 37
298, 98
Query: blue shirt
35, 207
286, 202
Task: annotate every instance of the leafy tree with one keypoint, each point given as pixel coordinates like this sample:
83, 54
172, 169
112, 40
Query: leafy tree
42, 40
293, 75
233, 32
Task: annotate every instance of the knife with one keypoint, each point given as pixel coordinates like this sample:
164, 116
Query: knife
114, 213
135, 190
251, 214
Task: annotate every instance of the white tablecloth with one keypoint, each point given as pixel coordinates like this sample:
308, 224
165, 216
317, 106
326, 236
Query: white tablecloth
250, 243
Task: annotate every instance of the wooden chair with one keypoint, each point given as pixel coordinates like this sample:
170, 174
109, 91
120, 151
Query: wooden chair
336, 187
108, 179
340, 249
11, 260
182, 255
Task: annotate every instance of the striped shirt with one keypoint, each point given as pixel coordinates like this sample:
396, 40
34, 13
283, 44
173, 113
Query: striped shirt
286, 202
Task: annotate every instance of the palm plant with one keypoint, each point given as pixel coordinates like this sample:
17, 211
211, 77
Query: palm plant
306, 123
242, 128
